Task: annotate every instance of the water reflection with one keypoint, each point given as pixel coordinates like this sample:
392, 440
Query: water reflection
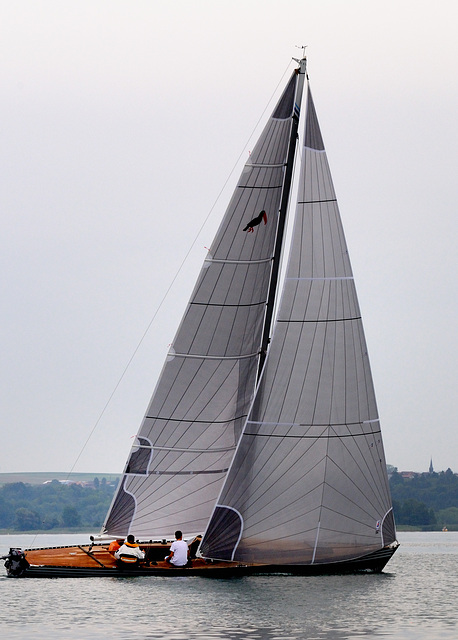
413, 601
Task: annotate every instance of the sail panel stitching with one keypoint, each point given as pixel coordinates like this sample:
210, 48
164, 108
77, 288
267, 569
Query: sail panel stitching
315, 437
374, 501
367, 469
316, 201
315, 150
228, 261
197, 421
261, 187
187, 473
265, 166
324, 278
302, 424
316, 541
206, 357
375, 476
322, 321
184, 450
222, 304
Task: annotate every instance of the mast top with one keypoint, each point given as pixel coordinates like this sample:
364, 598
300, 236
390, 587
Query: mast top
302, 61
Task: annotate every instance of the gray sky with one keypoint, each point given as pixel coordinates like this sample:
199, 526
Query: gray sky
121, 122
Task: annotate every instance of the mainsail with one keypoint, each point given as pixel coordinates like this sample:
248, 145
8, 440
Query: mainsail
198, 410
308, 482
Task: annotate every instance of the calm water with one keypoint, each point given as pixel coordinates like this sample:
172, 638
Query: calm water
415, 599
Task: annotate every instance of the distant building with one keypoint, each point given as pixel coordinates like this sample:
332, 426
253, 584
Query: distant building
409, 474
431, 468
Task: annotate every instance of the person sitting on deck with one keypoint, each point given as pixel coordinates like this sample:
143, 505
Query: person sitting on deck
115, 545
129, 552
178, 551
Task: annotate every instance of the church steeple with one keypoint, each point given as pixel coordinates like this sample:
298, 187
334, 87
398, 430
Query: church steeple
431, 468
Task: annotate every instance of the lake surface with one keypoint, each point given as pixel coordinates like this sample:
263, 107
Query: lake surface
415, 599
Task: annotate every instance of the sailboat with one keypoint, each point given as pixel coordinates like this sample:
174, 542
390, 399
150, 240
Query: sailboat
262, 439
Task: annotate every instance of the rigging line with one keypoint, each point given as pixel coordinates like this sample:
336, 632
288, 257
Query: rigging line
129, 362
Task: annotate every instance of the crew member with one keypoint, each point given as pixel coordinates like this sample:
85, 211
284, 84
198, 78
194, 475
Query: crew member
178, 551
130, 552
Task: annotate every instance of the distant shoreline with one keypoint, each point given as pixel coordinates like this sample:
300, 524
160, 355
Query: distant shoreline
61, 530
48, 532
40, 477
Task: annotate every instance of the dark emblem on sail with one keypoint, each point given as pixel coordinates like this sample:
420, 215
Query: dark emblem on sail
140, 459
388, 528
224, 532
256, 221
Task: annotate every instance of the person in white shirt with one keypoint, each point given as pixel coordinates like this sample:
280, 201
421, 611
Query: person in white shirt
178, 551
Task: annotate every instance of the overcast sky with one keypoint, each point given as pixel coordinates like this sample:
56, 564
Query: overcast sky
121, 122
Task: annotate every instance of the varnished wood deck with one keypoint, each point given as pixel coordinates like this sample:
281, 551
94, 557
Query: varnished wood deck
86, 561
81, 556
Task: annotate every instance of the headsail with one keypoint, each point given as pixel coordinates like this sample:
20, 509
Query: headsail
193, 423
308, 483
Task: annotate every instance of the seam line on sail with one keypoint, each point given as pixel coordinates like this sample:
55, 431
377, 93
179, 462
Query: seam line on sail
315, 437
265, 166
184, 449
205, 357
222, 304
228, 261
186, 473
303, 424
329, 320
324, 278
316, 541
317, 201
316, 150
252, 187
243, 415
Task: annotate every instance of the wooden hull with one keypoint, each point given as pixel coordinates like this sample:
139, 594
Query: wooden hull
97, 562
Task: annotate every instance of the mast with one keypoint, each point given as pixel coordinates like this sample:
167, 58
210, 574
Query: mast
276, 261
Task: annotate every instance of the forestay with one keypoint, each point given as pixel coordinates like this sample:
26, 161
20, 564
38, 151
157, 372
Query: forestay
193, 423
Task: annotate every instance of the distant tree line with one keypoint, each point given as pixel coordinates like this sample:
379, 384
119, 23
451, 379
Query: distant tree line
427, 500
26, 507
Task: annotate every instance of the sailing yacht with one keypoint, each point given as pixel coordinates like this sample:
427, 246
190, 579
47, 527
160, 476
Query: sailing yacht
262, 439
